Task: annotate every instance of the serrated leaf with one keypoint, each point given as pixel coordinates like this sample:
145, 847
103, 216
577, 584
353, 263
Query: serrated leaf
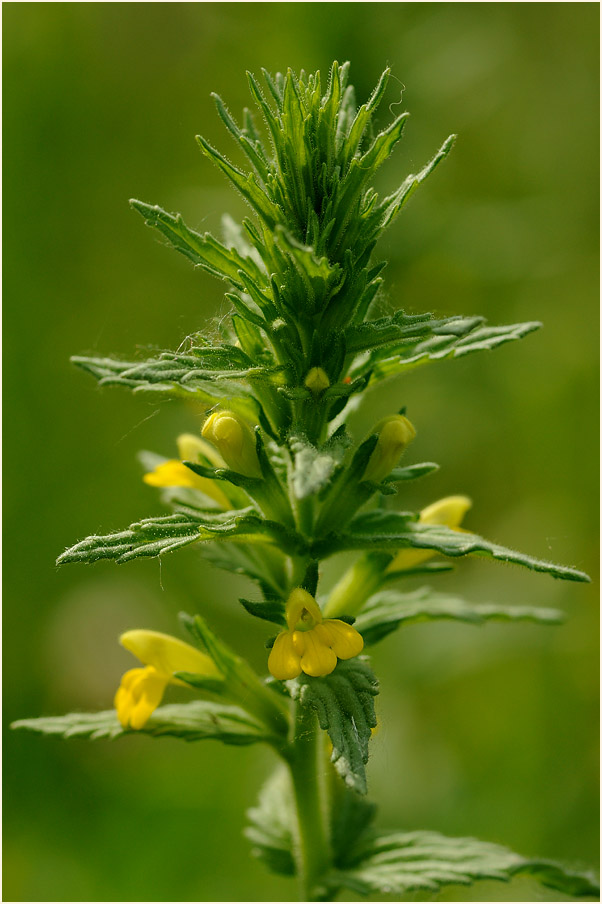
344, 703
392, 205
389, 609
479, 337
271, 821
269, 610
156, 536
203, 250
134, 376
198, 365
397, 863
195, 721
402, 530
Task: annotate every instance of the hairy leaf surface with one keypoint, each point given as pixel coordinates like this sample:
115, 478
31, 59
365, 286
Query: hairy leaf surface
398, 863
344, 703
195, 721
386, 611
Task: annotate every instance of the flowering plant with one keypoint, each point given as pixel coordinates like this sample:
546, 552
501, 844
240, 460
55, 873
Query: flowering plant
275, 484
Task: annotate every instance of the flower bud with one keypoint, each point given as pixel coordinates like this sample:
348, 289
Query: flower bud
395, 433
234, 440
448, 512
302, 611
192, 448
317, 381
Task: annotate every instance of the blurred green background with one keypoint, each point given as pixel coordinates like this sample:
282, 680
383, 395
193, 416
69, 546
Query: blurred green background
489, 732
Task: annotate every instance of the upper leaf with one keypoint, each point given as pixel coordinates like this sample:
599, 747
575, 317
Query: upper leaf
156, 536
401, 341
344, 703
195, 721
203, 250
400, 530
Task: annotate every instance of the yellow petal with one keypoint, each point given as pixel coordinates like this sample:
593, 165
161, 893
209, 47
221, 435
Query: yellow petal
317, 380
449, 511
167, 654
302, 607
410, 558
234, 440
284, 662
395, 433
139, 694
192, 447
318, 659
343, 639
174, 473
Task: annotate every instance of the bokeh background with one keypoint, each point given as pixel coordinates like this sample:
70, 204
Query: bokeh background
490, 731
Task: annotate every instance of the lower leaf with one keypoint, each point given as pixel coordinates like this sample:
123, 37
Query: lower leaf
395, 864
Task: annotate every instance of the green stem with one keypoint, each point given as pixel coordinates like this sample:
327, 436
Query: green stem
363, 579
312, 851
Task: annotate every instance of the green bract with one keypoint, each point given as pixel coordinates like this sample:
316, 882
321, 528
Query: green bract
298, 350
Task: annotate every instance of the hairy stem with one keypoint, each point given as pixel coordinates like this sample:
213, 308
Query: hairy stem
312, 850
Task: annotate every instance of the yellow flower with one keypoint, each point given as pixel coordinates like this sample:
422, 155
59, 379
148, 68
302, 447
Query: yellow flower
449, 512
234, 440
312, 644
395, 433
174, 473
141, 690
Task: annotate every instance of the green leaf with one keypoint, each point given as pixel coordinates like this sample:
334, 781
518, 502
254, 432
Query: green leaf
195, 721
344, 703
411, 472
271, 610
391, 206
444, 345
351, 816
271, 821
398, 863
144, 377
246, 183
199, 364
203, 250
389, 609
156, 536
402, 530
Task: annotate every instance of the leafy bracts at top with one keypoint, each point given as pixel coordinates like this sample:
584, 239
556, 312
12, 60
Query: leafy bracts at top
312, 174
203, 250
302, 277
